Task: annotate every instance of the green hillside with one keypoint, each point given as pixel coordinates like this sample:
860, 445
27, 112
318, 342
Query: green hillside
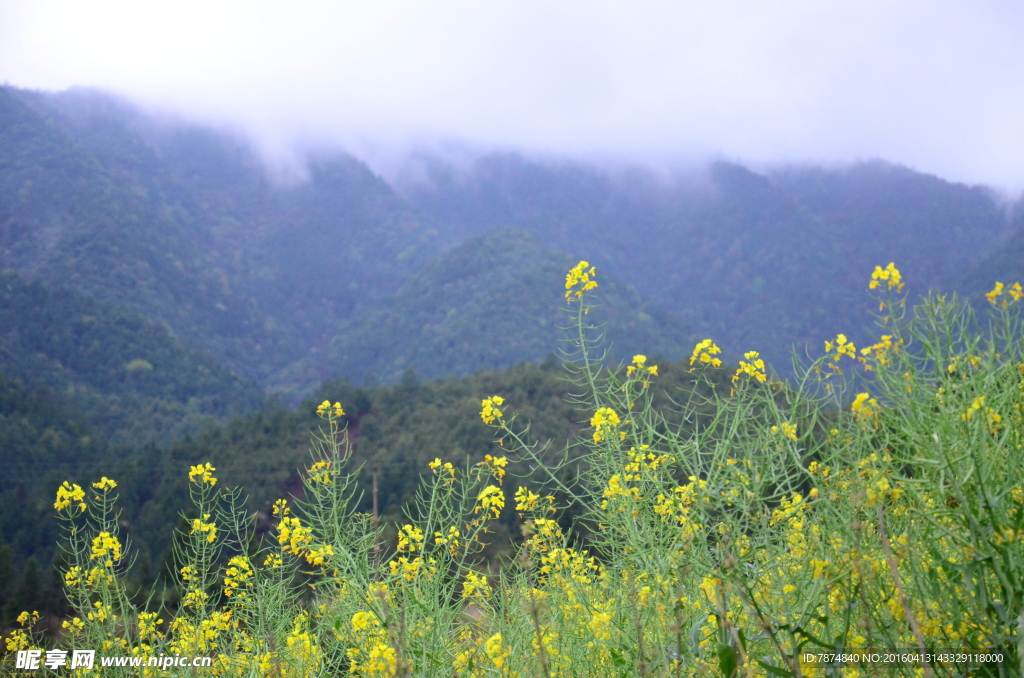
71, 220
183, 224
127, 375
490, 303
756, 261
1005, 264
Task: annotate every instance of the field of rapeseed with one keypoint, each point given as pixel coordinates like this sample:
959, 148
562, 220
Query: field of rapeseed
864, 518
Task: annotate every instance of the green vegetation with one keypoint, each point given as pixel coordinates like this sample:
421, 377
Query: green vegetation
748, 526
764, 261
490, 303
42, 443
125, 374
182, 224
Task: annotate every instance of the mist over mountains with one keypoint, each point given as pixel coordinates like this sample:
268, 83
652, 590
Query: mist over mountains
281, 283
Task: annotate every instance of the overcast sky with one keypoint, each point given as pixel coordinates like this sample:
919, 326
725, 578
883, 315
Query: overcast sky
936, 85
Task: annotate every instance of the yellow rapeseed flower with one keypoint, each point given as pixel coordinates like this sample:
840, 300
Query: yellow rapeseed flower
754, 368
209, 528
321, 472
475, 585
202, 474
363, 620
104, 484
996, 292
704, 353
491, 499
489, 409
329, 411
68, 494
107, 548
495, 651
864, 407
1015, 292
531, 501
74, 626
603, 421
842, 347
889, 275
496, 465
319, 555
410, 539
237, 575
787, 429
601, 626
582, 276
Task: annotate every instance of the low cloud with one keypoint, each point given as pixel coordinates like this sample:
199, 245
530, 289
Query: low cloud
934, 85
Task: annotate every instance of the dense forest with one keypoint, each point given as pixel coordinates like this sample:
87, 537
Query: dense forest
165, 301
183, 224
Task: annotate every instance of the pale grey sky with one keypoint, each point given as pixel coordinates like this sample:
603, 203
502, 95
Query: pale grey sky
932, 84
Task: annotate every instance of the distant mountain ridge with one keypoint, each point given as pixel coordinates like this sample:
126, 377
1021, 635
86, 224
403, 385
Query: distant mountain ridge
182, 224
758, 262
283, 284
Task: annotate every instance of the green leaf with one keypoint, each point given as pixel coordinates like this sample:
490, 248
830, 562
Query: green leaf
727, 660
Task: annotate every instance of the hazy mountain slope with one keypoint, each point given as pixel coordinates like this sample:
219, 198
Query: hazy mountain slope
128, 375
344, 241
68, 219
1004, 264
183, 224
758, 262
490, 303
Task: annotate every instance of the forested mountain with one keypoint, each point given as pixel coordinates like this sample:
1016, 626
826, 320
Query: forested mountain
284, 283
182, 224
756, 261
1005, 263
127, 375
494, 301
43, 441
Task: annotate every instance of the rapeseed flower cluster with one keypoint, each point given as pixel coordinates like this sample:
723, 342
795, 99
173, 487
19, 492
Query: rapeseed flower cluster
202, 473
1014, 291
605, 421
492, 500
890, 276
704, 352
839, 348
754, 369
864, 407
329, 411
68, 494
580, 279
489, 411
786, 430
495, 466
